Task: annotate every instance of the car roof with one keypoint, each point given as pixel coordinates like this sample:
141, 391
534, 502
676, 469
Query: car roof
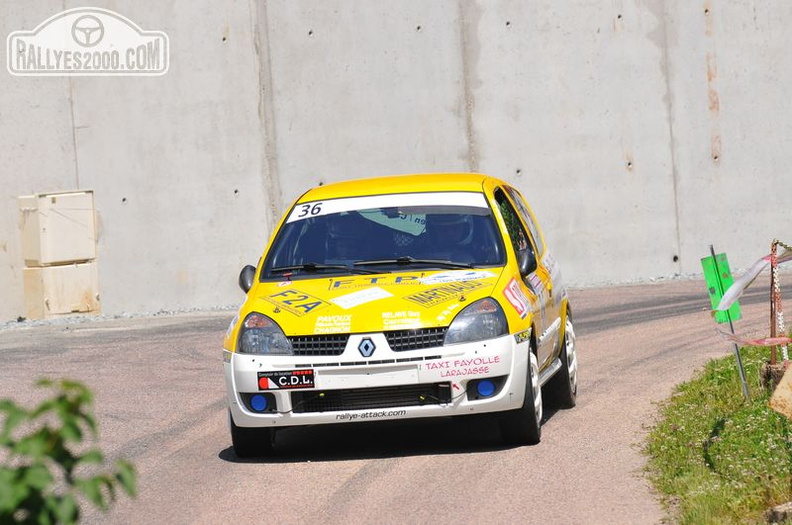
409, 183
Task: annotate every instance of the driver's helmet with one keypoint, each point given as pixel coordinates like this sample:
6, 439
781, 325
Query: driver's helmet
450, 229
343, 238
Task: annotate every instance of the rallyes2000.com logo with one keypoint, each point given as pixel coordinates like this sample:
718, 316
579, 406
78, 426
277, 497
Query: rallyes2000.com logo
87, 41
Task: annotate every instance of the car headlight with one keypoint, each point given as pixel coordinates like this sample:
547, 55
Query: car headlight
483, 319
261, 335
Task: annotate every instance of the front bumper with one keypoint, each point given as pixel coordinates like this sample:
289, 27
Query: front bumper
431, 382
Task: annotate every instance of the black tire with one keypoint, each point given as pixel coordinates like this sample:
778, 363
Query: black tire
251, 442
561, 390
524, 425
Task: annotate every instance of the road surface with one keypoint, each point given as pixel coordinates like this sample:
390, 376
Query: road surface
160, 403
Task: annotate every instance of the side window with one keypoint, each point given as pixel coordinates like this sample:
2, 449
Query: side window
513, 225
527, 217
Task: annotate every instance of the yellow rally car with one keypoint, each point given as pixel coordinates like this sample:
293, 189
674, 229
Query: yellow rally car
396, 298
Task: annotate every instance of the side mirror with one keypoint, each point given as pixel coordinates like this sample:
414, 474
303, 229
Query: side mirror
246, 277
526, 259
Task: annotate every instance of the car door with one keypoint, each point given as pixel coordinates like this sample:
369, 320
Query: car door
538, 282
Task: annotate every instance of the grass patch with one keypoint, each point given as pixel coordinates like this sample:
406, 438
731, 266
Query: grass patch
715, 458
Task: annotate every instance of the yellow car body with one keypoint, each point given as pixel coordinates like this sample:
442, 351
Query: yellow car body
341, 326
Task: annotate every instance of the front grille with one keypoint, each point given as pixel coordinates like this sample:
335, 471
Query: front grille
399, 341
402, 340
367, 398
330, 344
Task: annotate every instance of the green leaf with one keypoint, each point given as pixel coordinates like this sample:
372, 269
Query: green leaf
64, 508
93, 456
46, 406
91, 488
37, 476
71, 431
34, 445
127, 477
12, 491
63, 456
90, 422
77, 391
109, 485
14, 416
9, 407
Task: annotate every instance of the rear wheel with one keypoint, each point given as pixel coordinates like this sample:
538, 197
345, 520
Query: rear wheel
562, 388
251, 442
524, 425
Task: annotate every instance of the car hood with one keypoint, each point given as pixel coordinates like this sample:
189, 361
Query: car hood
371, 303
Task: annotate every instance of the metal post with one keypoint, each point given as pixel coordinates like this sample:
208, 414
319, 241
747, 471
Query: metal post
731, 327
777, 309
773, 331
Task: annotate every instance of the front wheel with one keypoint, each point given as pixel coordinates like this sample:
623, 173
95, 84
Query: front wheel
524, 425
562, 389
251, 442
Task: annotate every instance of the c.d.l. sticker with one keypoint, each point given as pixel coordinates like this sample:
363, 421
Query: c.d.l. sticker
285, 379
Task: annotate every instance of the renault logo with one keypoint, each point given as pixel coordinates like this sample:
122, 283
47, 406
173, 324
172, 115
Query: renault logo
366, 347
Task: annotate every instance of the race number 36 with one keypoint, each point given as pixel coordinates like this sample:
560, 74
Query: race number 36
309, 209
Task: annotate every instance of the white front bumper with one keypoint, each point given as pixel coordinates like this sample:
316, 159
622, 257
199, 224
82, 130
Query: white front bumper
456, 364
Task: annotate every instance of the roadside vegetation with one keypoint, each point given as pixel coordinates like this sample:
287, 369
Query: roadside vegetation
47, 472
715, 458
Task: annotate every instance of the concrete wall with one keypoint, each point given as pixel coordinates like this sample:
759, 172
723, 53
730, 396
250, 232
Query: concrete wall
640, 131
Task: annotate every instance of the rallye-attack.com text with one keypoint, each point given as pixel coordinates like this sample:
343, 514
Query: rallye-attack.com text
372, 414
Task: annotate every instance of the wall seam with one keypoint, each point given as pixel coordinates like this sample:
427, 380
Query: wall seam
74, 133
672, 143
271, 181
467, 95
73, 124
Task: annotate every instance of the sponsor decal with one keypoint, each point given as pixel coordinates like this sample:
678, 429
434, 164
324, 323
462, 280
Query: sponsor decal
397, 320
456, 276
551, 330
306, 210
333, 324
522, 337
530, 287
406, 223
350, 416
443, 293
286, 379
448, 312
362, 297
517, 298
549, 262
365, 282
536, 282
87, 41
296, 302
555, 277
226, 356
463, 366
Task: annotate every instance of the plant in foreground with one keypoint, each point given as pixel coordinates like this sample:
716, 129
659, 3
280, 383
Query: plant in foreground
43, 468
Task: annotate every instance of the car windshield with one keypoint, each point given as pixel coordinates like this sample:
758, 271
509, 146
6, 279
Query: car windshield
387, 233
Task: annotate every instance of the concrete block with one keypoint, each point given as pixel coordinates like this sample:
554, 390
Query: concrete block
57, 228
54, 291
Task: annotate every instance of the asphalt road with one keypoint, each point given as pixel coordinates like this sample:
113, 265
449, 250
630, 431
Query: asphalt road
160, 403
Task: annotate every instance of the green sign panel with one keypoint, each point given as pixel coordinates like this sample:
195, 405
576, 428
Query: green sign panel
719, 279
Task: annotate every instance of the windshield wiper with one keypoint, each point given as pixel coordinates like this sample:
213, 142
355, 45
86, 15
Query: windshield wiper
314, 267
407, 260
